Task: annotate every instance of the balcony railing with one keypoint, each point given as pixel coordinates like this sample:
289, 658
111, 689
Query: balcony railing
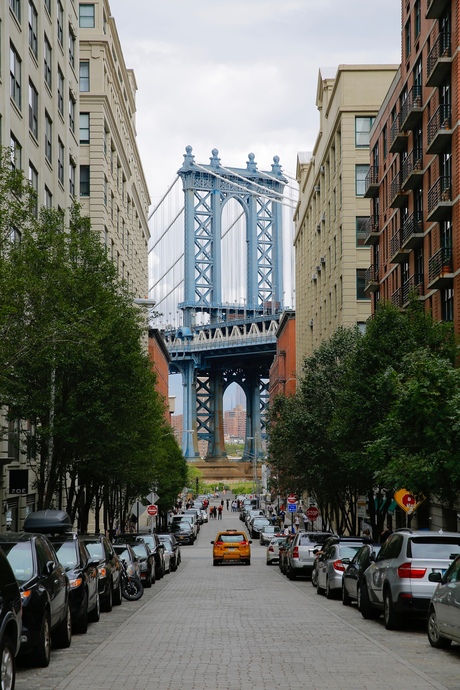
372, 231
411, 109
440, 268
371, 279
440, 130
412, 286
371, 185
412, 231
398, 255
398, 138
436, 8
398, 196
412, 170
396, 298
439, 60
440, 199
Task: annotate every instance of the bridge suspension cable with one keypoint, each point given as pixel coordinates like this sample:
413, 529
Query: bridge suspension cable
165, 195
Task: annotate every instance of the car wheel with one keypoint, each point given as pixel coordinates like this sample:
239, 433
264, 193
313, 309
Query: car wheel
117, 597
314, 578
364, 605
391, 619
42, 652
330, 594
62, 635
95, 614
248, 562
346, 599
81, 623
291, 574
434, 637
107, 602
8, 665
148, 582
319, 590
215, 562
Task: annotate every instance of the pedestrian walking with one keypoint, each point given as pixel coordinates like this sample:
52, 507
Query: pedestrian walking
228, 503
297, 523
219, 510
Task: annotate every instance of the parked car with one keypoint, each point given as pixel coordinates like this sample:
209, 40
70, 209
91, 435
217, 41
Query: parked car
267, 534
256, 526
231, 545
80, 567
10, 623
157, 548
146, 561
204, 515
169, 551
443, 625
183, 532
109, 567
273, 550
397, 583
126, 554
353, 576
300, 557
332, 563
186, 518
283, 551
45, 589
197, 514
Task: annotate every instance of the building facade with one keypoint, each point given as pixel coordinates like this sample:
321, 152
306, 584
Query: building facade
332, 213
283, 369
413, 181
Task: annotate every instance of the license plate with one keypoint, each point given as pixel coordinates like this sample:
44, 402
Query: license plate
439, 570
231, 548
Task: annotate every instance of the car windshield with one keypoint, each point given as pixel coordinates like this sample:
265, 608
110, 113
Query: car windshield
309, 539
123, 553
66, 554
270, 529
348, 551
181, 527
20, 558
148, 539
140, 550
95, 549
444, 548
230, 538
260, 521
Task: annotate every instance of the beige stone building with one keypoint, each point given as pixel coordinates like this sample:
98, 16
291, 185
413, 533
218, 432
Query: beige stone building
332, 215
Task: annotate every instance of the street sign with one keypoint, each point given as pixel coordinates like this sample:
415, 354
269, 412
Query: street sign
152, 510
292, 507
292, 498
152, 497
406, 501
312, 513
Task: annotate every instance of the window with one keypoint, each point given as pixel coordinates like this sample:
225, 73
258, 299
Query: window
15, 6
60, 161
33, 179
71, 113
84, 76
417, 18
407, 39
60, 24
447, 304
361, 230
47, 62
86, 16
33, 110
48, 137
84, 128
71, 177
33, 28
84, 180
105, 191
360, 281
16, 153
106, 139
71, 47
360, 179
48, 6
15, 76
48, 198
363, 126
60, 91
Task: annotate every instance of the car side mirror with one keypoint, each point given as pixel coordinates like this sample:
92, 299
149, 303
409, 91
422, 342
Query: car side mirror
212, 542
250, 541
435, 577
346, 561
372, 557
93, 561
49, 567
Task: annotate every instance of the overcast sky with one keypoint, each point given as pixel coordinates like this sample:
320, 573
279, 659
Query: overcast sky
241, 75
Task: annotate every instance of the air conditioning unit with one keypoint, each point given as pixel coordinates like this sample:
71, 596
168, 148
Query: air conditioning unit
310, 323
318, 228
323, 259
314, 276
323, 217
317, 188
322, 170
318, 268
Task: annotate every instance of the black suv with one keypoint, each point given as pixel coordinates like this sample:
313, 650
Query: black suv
155, 546
10, 621
109, 568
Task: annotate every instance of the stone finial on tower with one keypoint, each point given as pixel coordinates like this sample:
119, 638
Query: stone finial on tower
215, 160
251, 165
276, 167
189, 158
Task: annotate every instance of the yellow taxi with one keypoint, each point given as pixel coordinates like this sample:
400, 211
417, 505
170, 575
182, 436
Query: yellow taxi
231, 545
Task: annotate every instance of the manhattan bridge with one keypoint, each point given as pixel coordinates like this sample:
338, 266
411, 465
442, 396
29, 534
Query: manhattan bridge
216, 265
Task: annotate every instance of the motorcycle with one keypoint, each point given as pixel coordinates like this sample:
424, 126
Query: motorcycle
132, 588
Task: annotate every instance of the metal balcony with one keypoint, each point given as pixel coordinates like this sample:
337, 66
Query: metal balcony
412, 231
396, 298
436, 8
412, 109
371, 185
398, 197
398, 138
440, 199
439, 135
412, 286
412, 171
439, 60
372, 231
371, 279
398, 255
440, 274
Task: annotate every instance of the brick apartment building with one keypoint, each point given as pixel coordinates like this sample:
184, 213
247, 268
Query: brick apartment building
282, 371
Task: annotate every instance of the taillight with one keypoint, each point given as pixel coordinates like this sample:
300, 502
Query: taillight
244, 543
295, 552
219, 543
338, 565
406, 570
271, 549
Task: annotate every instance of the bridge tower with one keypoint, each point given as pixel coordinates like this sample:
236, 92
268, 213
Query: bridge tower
207, 366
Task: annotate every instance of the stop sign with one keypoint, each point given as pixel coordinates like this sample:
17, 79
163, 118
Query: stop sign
291, 499
152, 510
312, 513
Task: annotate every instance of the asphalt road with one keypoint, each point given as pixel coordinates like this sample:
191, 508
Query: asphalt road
236, 627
